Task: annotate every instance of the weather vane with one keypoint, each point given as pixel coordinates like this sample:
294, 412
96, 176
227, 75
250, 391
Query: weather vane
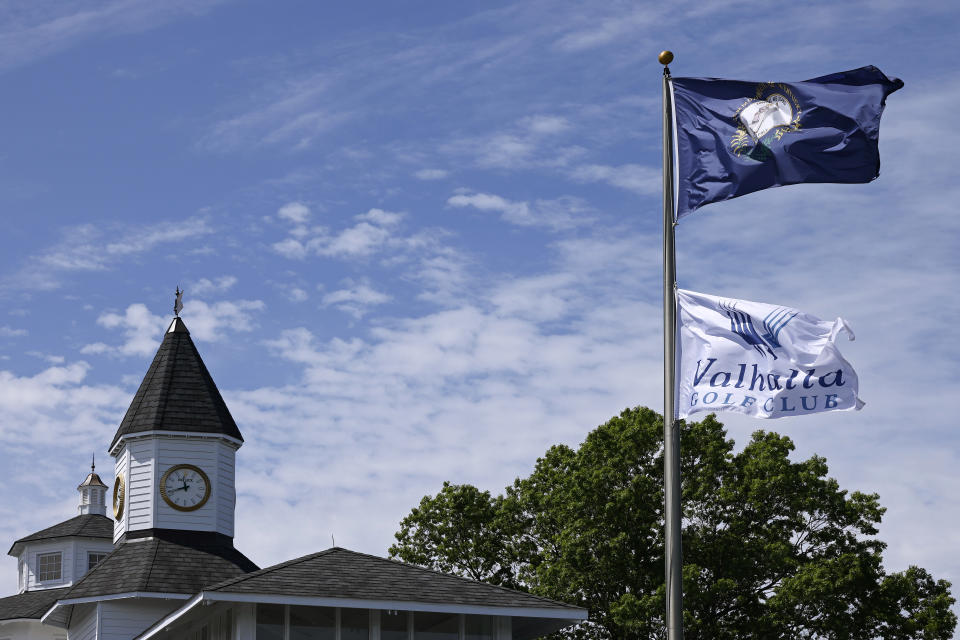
178, 304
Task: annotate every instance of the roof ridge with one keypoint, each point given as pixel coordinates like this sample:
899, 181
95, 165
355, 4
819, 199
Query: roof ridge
29, 604
153, 562
266, 570
463, 578
86, 520
171, 363
283, 565
91, 571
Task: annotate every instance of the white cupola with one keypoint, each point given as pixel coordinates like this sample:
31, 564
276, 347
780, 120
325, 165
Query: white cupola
93, 493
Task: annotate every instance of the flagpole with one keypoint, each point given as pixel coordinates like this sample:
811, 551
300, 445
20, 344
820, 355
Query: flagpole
671, 435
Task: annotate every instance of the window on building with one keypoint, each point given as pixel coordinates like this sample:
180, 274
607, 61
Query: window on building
94, 558
478, 628
270, 619
48, 566
436, 626
393, 625
354, 624
313, 623
218, 628
292, 622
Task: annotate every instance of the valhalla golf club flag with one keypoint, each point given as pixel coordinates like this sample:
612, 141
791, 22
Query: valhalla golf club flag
735, 137
759, 359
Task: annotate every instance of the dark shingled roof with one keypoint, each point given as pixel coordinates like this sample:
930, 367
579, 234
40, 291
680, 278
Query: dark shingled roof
31, 604
88, 525
341, 573
177, 394
161, 566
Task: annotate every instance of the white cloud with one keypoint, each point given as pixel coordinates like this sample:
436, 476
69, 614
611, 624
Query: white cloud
53, 27
598, 31
290, 248
563, 213
373, 230
546, 125
96, 348
146, 238
295, 212
359, 240
140, 328
632, 177
531, 142
10, 332
394, 413
83, 248
296, 294
381, 217
38, 408
290, 113
52, 421
505, 151
47, 357
355, 300
204, 286
212, 322
431, 174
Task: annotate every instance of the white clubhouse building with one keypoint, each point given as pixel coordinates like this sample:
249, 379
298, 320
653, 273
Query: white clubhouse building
162, 565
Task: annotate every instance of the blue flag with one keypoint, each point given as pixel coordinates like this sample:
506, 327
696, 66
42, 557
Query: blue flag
735, 137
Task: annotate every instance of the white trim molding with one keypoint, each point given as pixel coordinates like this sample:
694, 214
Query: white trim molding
571, 613
60, 605
234, 442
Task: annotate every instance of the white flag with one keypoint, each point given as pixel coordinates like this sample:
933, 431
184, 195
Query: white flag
759, 359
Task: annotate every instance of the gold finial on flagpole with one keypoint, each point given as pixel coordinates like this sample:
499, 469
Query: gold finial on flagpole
665, 57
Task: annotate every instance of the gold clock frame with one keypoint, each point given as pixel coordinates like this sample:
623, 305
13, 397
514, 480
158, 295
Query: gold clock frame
200, 472
119, 497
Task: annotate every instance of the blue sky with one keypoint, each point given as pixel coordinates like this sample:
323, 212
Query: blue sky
420, 242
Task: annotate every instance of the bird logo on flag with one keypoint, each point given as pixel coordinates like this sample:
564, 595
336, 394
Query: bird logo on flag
767, 340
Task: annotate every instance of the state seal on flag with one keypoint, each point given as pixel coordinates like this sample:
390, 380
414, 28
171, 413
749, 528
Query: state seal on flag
762, 120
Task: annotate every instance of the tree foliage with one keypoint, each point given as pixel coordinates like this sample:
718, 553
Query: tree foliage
772, 548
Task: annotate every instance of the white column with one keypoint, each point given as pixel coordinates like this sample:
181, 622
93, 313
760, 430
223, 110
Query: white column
245, 622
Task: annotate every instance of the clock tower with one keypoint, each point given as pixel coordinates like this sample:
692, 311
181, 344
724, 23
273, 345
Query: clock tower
175, 450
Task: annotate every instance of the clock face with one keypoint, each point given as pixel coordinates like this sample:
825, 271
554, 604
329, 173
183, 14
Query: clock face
119, 494
185, 487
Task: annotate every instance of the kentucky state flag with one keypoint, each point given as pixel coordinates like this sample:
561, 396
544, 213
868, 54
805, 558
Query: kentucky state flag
735, 137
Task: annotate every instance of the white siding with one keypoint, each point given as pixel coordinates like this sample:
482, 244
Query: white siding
82, 550
83, 622
141, 484
29, 555
73, 561
127, 618
32, 630
200, 453
120, 471
226, 494
147, 459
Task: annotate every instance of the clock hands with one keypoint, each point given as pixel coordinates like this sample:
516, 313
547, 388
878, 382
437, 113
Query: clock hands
185, 487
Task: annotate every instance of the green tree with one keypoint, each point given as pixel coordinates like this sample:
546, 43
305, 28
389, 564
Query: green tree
772, 548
